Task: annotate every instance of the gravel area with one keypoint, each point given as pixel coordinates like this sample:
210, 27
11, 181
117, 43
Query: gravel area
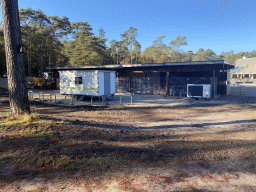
202, 145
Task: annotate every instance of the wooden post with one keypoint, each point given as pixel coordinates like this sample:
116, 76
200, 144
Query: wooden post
166, 86
130, 82
213, 85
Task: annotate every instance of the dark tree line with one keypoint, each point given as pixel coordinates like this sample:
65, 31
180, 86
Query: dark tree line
47, 45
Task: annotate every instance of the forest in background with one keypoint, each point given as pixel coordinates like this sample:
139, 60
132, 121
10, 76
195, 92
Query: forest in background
53, 41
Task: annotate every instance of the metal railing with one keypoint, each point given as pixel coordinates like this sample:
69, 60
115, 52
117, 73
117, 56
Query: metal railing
102, 99
124, 96
30, 95
51, 97
189, 94
72, 100
42, 95
239, 89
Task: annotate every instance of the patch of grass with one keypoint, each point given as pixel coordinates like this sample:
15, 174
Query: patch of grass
66, 164
27, 125
106, 162
25, 159
48, 123
69, 166
152, 147
25, 120
232, 168
31, 132
21, 120
4, 160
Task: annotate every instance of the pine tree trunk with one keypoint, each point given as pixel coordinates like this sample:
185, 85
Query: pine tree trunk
50, 61
28, 53
41, 60
131, 53
29, 61
117, 59
14, 60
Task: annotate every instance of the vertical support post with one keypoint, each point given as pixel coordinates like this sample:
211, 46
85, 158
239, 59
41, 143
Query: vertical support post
105, 98
166, 86
30, 94
72, 99
65, 102
91, 100
130, 82
213, 84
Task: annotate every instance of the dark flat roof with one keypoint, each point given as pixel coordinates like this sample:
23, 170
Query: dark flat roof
220, 64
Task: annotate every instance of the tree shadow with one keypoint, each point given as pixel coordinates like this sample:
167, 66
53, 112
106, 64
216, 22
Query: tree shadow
127, 126
69, 149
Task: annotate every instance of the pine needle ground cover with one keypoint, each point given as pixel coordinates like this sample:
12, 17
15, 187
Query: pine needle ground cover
92, 142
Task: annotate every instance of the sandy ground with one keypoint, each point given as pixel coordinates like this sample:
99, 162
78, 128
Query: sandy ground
210, 145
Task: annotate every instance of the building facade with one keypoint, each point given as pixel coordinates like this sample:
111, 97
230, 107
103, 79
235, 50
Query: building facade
245, 68
167, 78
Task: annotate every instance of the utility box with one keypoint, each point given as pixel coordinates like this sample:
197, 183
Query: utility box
199, 90
87, 82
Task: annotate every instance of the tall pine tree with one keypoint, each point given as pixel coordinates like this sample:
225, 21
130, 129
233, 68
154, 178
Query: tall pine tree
14, 59
86, 49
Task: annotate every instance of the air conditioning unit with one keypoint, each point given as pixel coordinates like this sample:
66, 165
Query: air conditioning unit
199, 90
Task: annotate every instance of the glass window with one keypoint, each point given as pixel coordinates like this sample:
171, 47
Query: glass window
78, 80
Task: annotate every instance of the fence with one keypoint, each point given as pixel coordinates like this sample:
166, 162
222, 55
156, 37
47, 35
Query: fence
71, 100
141, 85
244, 90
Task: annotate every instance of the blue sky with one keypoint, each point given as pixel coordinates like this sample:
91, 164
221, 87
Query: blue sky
209, 24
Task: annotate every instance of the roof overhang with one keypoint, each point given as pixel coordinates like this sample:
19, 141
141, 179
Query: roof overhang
165, 67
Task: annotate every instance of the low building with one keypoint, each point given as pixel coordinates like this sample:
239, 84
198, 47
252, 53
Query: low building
245, 68
167, 78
